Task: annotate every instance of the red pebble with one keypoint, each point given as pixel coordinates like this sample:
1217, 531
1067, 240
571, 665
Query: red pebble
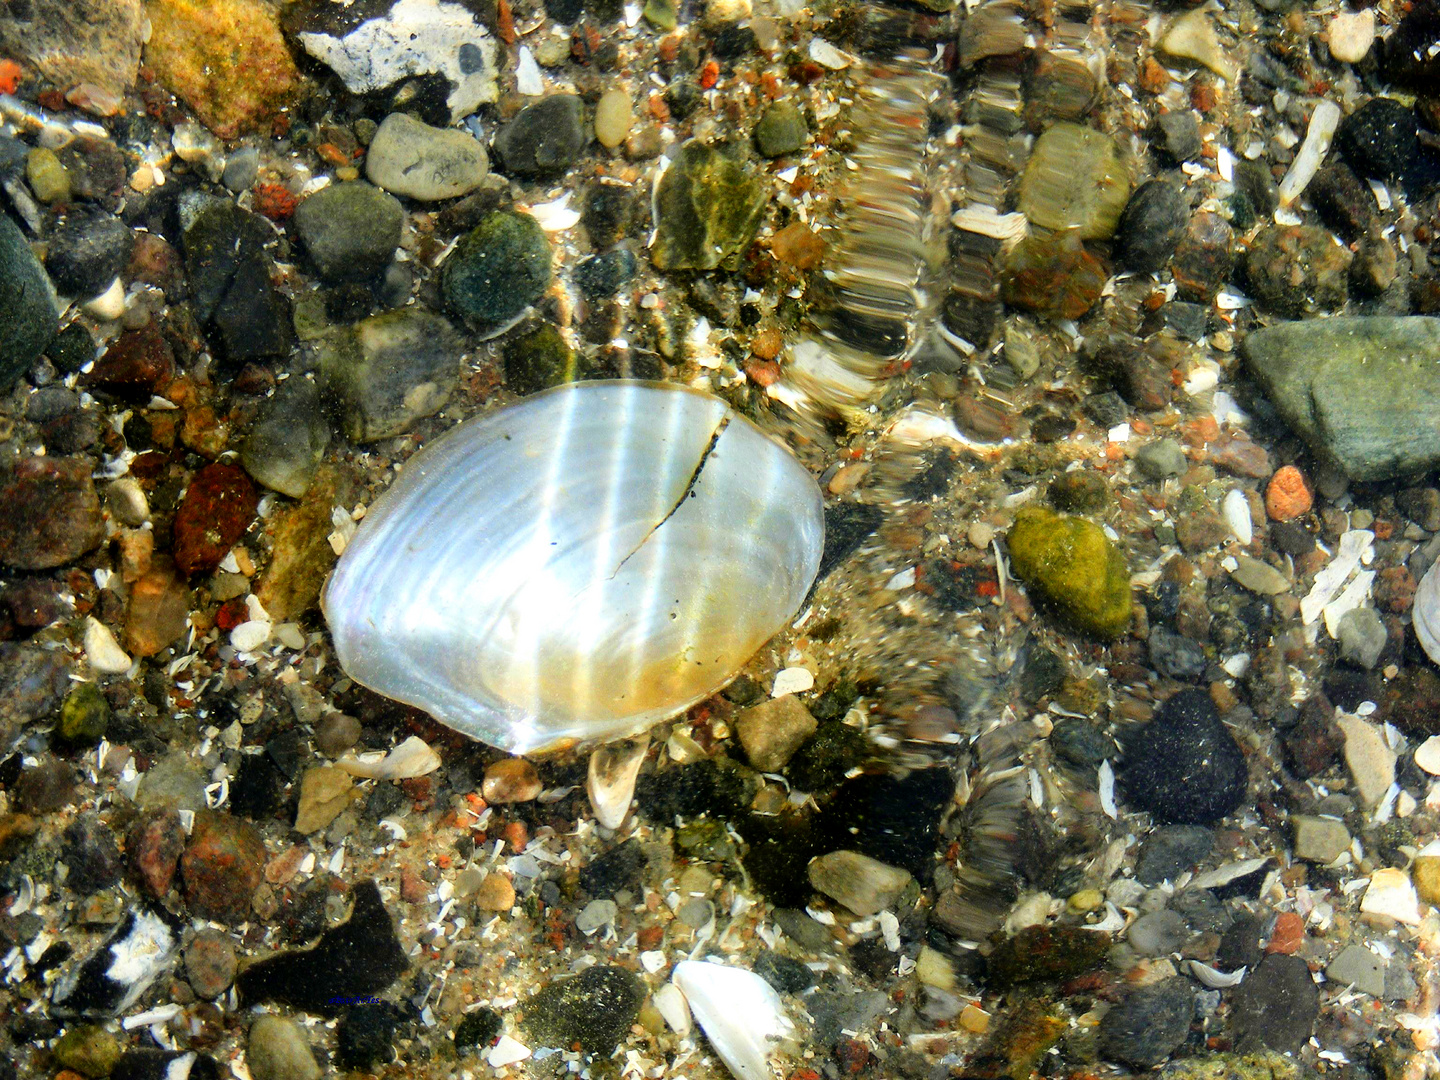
217, 509
1288, 935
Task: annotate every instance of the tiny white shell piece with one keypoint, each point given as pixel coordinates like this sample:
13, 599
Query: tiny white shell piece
413, 757
740, 1013
1427, 612
102, 650
610, 784
670, 1003
578, 566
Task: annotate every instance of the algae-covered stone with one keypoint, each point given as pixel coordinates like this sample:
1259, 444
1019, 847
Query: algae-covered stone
1075, 179
1363, 391
499, 269
664, 14
594, 1009
707, 207
88, 1049
539, 360
390, 370
1266, 1065
289, 438
84, 715
781, 130
1075, 567
28, 315
350, 230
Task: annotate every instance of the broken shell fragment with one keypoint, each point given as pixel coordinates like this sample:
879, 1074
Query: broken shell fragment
1427, 612
740, 1013
578, 566
614, 768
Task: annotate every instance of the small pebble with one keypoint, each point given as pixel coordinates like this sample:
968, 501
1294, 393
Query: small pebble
510, 780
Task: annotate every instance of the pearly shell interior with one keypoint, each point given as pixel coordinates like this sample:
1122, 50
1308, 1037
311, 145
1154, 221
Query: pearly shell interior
578, 566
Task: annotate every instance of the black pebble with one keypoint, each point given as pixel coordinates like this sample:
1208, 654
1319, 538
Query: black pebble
1184, 766
1243, 944
1381, 139
594, 1009
1275, 1008
619, 868
87, 251
91, 854
151, 1063
786, 975
358, 958
847, 526
1151, 226
478, 1030
1171, 850
364, 1035
1145, 1028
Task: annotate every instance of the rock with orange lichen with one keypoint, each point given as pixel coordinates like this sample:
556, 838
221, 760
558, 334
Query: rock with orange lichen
226, 59
1287, 496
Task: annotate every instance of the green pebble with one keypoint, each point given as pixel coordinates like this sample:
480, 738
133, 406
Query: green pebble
708, 207
782, 130
1073, 565
88, 1049
664, 14
49, 180
539, 360
84, 715
500, 268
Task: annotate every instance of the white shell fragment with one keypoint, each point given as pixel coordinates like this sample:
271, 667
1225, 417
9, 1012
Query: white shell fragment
739, 1012
576, 567
1323, 122
611, 781
1236, 508
1427, 612
413, 757
102, 650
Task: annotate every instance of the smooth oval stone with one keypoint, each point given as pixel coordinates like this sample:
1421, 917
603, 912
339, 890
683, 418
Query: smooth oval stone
422, 162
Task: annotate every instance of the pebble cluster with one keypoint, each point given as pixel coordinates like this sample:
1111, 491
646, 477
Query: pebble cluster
1108, 739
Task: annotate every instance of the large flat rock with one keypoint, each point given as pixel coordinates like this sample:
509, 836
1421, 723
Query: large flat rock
1364, 392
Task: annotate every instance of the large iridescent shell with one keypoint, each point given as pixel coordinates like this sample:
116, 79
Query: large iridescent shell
578, 566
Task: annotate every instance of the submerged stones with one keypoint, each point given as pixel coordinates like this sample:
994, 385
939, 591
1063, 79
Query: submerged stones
350, 230
1075, 179
1364, 391
543, 139
498, 270
781, 130
1151, 226
708, 207
1074, 567
1296, 270
593, 1010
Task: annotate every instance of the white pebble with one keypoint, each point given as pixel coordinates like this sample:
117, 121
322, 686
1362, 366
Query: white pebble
671, 1004
1427, 756
1351, 35
827, 55
109, 305
102, 650
250, 635
527, 74
792, 680
1237, 515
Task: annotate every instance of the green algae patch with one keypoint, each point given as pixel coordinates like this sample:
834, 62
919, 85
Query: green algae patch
1074, 567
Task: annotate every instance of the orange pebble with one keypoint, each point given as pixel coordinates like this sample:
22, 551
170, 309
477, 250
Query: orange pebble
1289, 934
1288, 495
709, 75
10, 73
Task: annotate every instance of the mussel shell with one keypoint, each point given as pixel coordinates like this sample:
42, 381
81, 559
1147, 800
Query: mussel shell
1426, 612
578, 566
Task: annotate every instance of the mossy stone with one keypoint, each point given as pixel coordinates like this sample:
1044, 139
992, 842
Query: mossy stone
84, 715
1075, 179
781, 130
826, 756
72, 349
499, 269
594, 1009
1073, 565
539, 360
707, 208
662, 14
1046, 954
88, 1049
1081, 491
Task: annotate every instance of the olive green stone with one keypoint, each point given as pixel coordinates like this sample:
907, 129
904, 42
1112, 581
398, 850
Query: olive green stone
707, 208
1364, 392
48, 178
498, 270
1266, 1065
781, 130
664, 14
539, 360
84, 714
1073, 565
1075, 179
88, 1049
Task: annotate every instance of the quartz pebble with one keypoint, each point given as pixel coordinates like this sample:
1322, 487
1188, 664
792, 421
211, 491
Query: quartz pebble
1351, 34
1391, 893
1369, 757
411, 158
510, 780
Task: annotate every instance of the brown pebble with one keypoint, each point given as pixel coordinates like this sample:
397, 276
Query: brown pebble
153, 847
336, 733
495, 893
510, 780
132, 367
44, 788
217, 509
210, 964
52, 513
767, 343
159, 610
798, 245
222, 866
